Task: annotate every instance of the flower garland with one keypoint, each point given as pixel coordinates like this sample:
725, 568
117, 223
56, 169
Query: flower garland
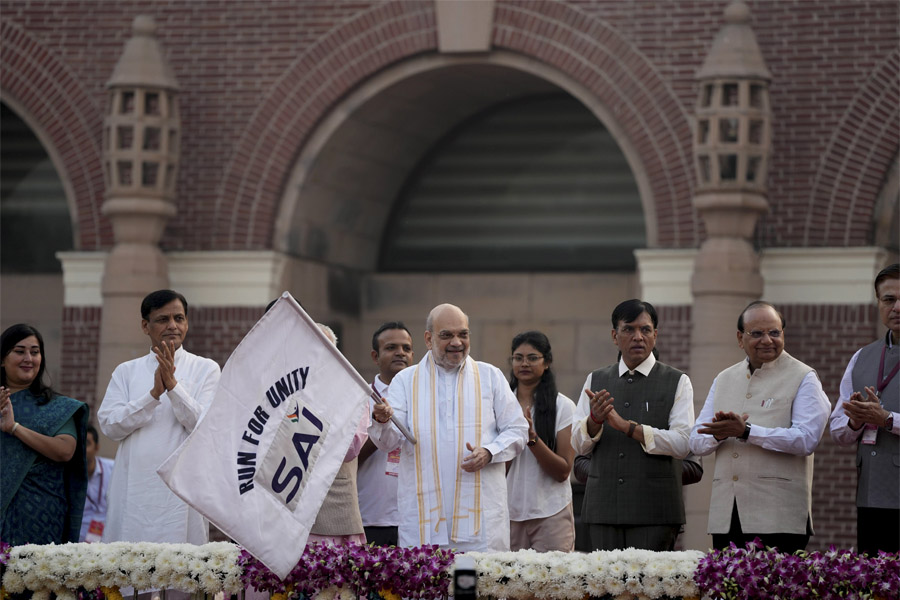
354, 570
64, 569
619, 573
763, 573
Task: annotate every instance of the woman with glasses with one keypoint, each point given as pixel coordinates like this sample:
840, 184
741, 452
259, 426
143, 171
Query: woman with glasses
540, 496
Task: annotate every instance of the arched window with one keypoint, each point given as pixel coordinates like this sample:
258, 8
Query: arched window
536, 184
34, 216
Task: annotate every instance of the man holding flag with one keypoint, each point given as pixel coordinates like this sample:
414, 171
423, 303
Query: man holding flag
452, 484
264, 456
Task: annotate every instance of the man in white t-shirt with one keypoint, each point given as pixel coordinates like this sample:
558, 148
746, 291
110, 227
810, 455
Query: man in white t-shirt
392, 351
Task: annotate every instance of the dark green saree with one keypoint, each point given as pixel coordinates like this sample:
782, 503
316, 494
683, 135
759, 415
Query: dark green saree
41, 501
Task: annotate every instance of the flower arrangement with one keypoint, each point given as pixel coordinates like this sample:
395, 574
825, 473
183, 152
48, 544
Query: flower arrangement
326, 572
763, 573
620, 573
354, 570
65, 569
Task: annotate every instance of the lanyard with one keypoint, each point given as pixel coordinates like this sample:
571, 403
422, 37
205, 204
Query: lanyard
100, 491
882, 382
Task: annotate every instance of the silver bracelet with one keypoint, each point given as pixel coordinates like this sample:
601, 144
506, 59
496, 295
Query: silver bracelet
13, 430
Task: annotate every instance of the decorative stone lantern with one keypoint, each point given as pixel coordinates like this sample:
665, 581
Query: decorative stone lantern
733, 134
142, 127
732, 143
141, 139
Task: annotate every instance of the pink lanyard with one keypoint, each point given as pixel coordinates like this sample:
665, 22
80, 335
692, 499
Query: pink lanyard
882, 382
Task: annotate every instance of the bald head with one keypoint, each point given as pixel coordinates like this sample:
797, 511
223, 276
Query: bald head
447, 335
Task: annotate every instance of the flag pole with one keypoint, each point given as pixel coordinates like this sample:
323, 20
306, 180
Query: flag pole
412, 440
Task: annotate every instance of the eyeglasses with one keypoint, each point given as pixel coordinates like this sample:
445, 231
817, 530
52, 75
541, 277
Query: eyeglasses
531, 359
629, 330
758, 335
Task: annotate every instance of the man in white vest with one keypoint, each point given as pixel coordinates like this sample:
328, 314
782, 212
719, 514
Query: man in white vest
468, 423
392, 351
763, 418
867, 415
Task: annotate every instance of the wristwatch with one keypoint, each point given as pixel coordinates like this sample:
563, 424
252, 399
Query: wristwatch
746, 435
532, 442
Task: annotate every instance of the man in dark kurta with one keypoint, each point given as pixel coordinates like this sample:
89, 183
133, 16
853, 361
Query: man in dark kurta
634, 419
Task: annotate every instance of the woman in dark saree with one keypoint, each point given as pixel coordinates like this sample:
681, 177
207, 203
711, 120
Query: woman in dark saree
44, 475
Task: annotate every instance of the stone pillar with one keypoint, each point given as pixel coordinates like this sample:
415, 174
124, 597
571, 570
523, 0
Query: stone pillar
140, 145
731, 148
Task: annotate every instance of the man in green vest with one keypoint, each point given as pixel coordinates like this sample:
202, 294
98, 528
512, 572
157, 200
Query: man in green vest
867, 415
763, 418
634, 419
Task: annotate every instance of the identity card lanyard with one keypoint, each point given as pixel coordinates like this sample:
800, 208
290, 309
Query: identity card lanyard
100, 492
882, 382
870, 432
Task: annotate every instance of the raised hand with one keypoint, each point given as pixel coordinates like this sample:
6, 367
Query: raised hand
7, 416
601, 404
165, 357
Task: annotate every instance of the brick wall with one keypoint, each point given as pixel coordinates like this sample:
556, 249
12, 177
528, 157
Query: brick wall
216, 331
825, 337
257, 77
674, 340
80, 343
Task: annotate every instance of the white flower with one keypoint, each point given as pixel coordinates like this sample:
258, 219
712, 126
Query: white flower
615, 586
141, 579
652, 587
13, 582
615, 570
328, 593
633, 585
65, 594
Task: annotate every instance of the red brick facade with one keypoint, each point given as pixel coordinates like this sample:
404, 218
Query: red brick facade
257, 77
80, 343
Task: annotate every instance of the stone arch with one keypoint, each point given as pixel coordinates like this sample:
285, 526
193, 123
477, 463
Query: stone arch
856, 162
581, 49
39, 87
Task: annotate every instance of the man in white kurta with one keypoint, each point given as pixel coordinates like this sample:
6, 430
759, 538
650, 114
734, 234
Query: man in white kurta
151, 405
452, 483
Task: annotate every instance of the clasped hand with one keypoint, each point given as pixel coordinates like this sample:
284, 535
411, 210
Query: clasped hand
164, 377
865, 410
602, 410
7, 417
725, 425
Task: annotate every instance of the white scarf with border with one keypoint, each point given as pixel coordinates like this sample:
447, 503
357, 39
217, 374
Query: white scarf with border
467, 509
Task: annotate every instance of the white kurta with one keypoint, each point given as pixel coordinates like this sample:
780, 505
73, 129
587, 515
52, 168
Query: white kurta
504, 433
141, 507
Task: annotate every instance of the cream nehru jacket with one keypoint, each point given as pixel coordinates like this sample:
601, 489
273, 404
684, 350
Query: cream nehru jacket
773, 490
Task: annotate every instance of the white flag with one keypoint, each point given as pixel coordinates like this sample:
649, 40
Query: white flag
263, 456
